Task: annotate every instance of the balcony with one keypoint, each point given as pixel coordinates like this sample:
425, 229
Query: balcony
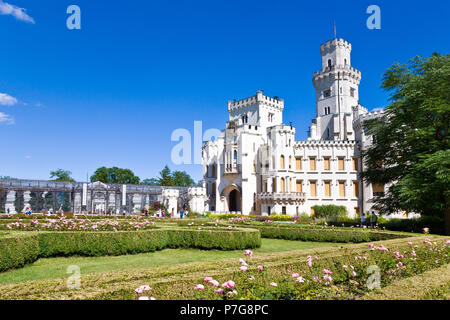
282, 197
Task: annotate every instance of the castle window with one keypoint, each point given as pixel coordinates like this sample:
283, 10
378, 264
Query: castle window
213, 190
282, 162
270, 117
327, 188
213, 169
327, 110
352, 92
298, 163
355, 164
341, 163
356, 189
378, 189
290, 159
329, 63
312, 188
341, 189
282, 185
327, 93
235, 159
345, 62
326, 163
312, 163
298, 186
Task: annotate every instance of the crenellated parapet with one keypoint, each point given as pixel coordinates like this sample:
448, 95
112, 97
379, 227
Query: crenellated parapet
259, 98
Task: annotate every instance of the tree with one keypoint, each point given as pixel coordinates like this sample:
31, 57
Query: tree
169, 178
115, 175
182, 179
411, 145
61, 175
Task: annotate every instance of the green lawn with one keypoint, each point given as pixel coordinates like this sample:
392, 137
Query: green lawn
50, 268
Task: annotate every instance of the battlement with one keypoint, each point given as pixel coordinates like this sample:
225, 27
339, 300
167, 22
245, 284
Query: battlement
322, 143
334, 43
342, 69
197, 192
282, 128
370, 115
258, 98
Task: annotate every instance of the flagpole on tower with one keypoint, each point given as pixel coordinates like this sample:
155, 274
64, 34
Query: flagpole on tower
334, 23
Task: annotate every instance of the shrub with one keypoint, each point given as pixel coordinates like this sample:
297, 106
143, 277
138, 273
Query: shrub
281, 217
18, 249
329, 211
323, 234
436, 224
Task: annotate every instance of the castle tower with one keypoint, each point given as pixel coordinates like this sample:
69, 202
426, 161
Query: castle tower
337, 86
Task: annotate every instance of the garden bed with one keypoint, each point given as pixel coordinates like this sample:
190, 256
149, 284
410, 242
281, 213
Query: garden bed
178, 282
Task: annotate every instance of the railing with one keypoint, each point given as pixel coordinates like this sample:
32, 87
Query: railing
282, 196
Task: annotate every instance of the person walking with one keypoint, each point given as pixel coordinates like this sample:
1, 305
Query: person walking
181, 213
373, 219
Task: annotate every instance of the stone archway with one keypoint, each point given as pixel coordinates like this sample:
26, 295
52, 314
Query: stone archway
233, 198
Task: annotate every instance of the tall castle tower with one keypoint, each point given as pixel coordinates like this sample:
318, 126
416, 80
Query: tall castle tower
337, 86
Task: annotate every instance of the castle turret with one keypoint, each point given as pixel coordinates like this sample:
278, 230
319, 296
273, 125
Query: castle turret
336, 93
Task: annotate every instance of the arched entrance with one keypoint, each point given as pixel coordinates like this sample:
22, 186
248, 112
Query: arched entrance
233, 198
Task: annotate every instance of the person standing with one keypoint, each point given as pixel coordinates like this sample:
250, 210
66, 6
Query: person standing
181, 213
363, 219
373, 219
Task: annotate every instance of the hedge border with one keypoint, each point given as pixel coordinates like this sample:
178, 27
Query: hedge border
18, 248
315, 233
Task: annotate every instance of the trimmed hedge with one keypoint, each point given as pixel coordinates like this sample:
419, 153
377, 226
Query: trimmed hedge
310, 232
20, 248
324, 235
436, 224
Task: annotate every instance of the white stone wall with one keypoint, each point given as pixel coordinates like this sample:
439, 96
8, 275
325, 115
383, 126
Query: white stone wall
261, 143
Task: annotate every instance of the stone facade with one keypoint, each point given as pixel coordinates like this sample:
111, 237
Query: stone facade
97, 197
256, 167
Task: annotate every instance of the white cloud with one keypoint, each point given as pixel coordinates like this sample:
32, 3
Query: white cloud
6, 99
6, 119
16, 12
27, 157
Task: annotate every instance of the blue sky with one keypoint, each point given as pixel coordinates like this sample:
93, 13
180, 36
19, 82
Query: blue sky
111, 93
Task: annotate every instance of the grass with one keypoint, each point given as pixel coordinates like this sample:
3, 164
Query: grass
430, 285
52, 268
176, 281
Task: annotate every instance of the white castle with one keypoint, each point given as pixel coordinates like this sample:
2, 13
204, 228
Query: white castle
255, 167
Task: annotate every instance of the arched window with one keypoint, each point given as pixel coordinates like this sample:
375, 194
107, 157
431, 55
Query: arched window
282, 185
213, 169
329, 63
290, 159
213, 190
235, 159
282, 162
345, 62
